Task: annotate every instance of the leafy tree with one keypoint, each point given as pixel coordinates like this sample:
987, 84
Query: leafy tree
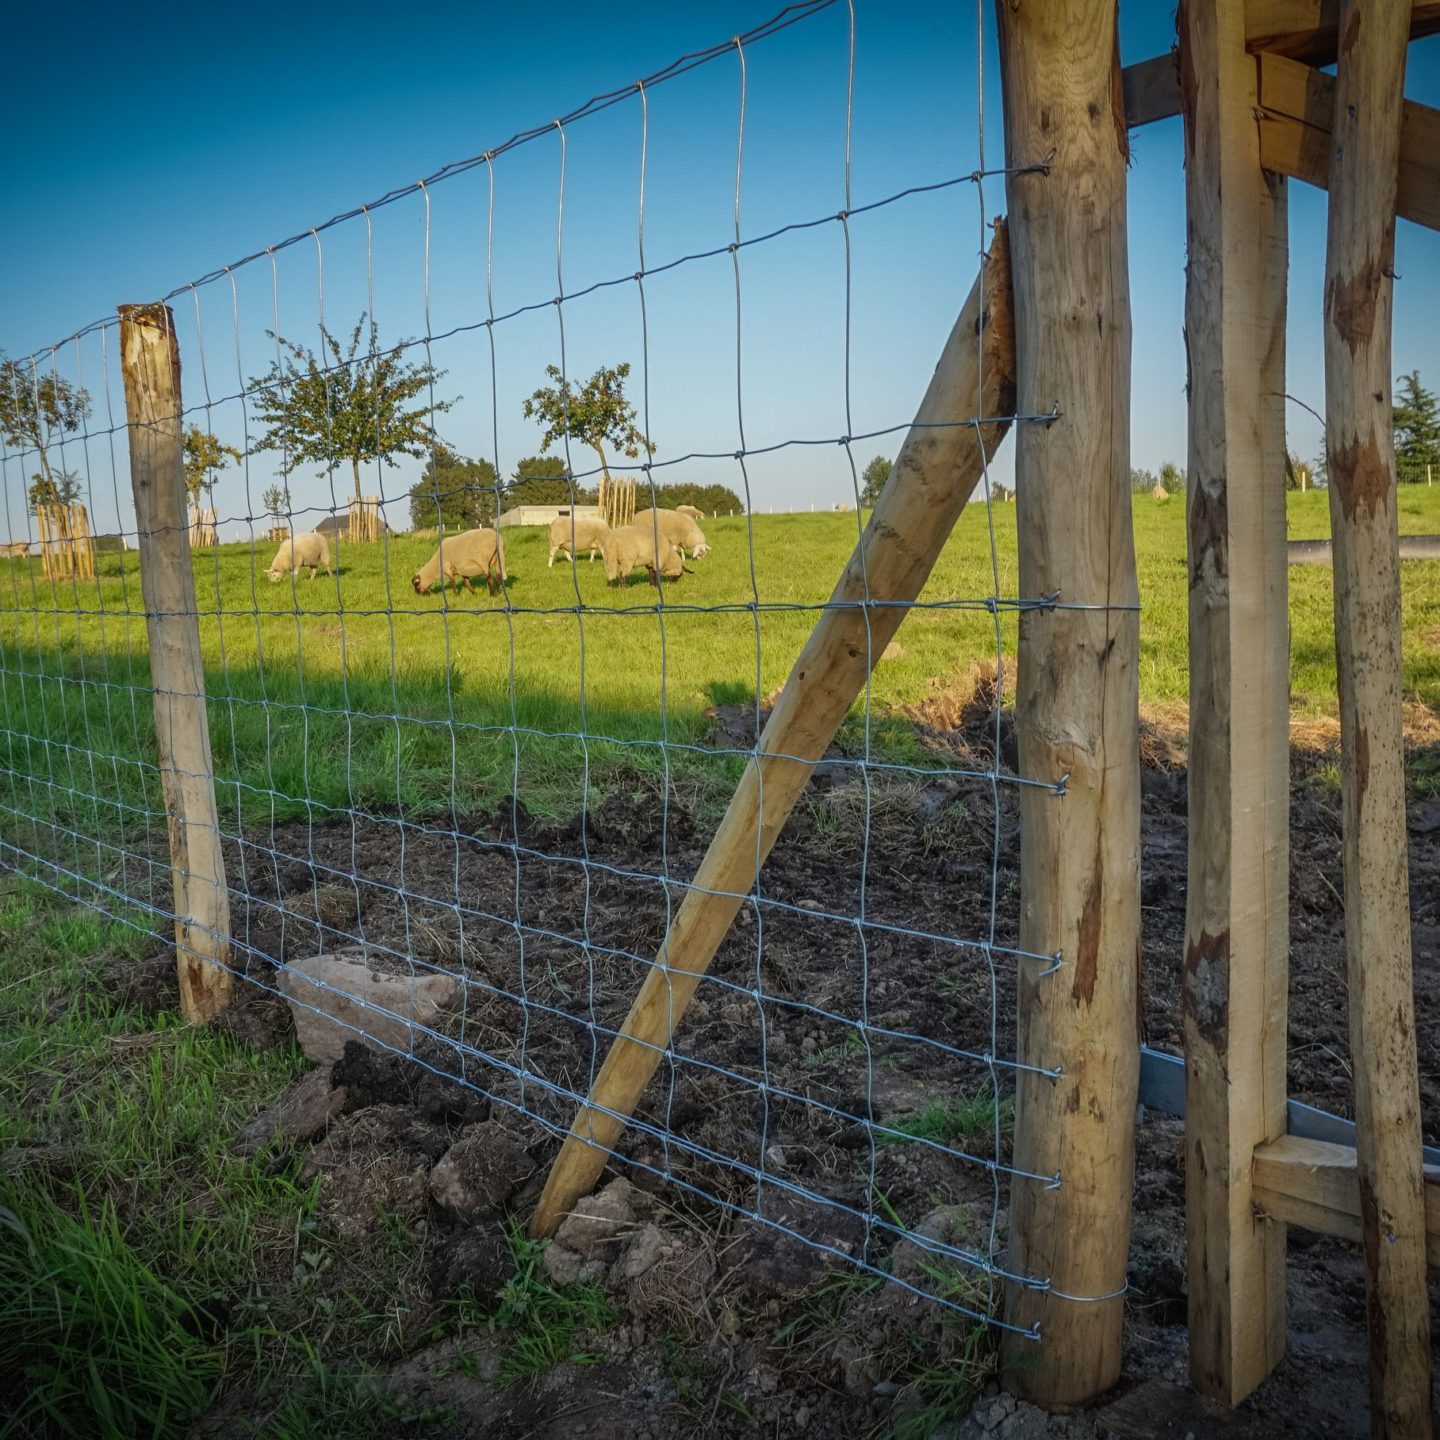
1417, 429
712, 499
596, 414
873, 478
1172, 477
57, 487
1299, 474
276, 501
343, 405
454, 490
36, 410
206, 455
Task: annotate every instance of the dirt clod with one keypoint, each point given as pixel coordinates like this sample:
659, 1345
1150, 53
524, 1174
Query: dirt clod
479, 1173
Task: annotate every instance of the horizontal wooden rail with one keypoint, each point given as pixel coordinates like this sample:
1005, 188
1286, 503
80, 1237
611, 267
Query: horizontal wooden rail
1315, 1184
1309, 30
1296, 108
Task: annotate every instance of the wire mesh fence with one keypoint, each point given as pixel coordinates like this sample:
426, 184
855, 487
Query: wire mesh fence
500, 796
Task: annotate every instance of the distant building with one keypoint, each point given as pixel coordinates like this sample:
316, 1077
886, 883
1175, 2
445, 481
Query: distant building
337, 527
545, 514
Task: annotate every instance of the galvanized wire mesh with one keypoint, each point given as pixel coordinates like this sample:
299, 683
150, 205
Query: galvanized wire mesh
513, 793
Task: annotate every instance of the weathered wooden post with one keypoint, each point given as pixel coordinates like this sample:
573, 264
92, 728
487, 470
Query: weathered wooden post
1359, 295
938, 467
150, 369
1237, 904
1077, 697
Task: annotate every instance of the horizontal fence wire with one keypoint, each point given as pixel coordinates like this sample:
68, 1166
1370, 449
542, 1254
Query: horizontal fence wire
512, 792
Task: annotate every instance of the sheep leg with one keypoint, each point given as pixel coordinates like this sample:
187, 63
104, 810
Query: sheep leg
654, 578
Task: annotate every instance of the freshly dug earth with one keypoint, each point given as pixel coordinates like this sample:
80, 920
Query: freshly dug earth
550, 926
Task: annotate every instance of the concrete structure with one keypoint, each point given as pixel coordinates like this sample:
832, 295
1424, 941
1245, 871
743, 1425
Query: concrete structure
544, 514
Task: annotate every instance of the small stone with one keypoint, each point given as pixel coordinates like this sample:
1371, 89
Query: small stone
480, 1172
304, 1111
642, 1254
334, 997
802, 1417
599, 1224
565, 1266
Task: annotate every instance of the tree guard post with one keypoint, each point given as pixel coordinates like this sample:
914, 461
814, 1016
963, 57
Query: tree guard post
1359, 444
1077, 700
150, 369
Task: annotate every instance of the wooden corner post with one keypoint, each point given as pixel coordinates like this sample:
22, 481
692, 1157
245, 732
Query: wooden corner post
1077, 698
1359, 295
150, 369
1237, 904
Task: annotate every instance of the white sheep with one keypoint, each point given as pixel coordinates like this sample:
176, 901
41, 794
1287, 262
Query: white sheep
691, 511
460, 559
310, 552
680, 530
589, 533
632, 547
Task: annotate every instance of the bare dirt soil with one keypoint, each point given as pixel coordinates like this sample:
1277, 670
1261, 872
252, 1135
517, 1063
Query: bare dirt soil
549, 925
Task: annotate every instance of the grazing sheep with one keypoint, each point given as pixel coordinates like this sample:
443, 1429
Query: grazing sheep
476, 552
691, 511
632, 547
301, 552
680, 530
588, 534
15, 549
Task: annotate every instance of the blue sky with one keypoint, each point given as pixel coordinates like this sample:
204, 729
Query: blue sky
146, 149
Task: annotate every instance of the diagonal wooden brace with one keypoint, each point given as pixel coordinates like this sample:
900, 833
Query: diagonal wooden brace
939, 465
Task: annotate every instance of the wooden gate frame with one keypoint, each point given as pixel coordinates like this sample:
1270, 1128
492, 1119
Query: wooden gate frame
1256, 110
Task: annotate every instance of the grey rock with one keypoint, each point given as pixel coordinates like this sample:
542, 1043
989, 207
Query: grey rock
332, 997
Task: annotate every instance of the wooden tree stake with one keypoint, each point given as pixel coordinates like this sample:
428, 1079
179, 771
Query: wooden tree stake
1237, 903
150, 369
932, 479
1359, 295
1077, 698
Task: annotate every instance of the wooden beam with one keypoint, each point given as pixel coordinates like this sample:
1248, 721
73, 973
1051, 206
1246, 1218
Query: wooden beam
938, 467
1237, 907
1297, 106
150, 371
1317, 1185
1359, 444
1076, 705
1309, 30
1152, 89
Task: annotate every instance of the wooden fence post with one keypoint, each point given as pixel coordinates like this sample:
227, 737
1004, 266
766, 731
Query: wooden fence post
150, 369
1359, 296
1237, 905
1077, 698
938, 467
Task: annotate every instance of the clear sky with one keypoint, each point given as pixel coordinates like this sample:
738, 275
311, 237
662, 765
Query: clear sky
148, 147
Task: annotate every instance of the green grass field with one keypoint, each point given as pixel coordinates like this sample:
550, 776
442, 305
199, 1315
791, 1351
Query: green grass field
343, 692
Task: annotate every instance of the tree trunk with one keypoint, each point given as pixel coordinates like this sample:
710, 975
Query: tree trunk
355, 467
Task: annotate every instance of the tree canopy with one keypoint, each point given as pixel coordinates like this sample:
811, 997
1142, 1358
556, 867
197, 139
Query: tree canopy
712, 499
596, 414
206, 455
543, 480
37, 409
343, 405
454, 491
1417, 430
873, 478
